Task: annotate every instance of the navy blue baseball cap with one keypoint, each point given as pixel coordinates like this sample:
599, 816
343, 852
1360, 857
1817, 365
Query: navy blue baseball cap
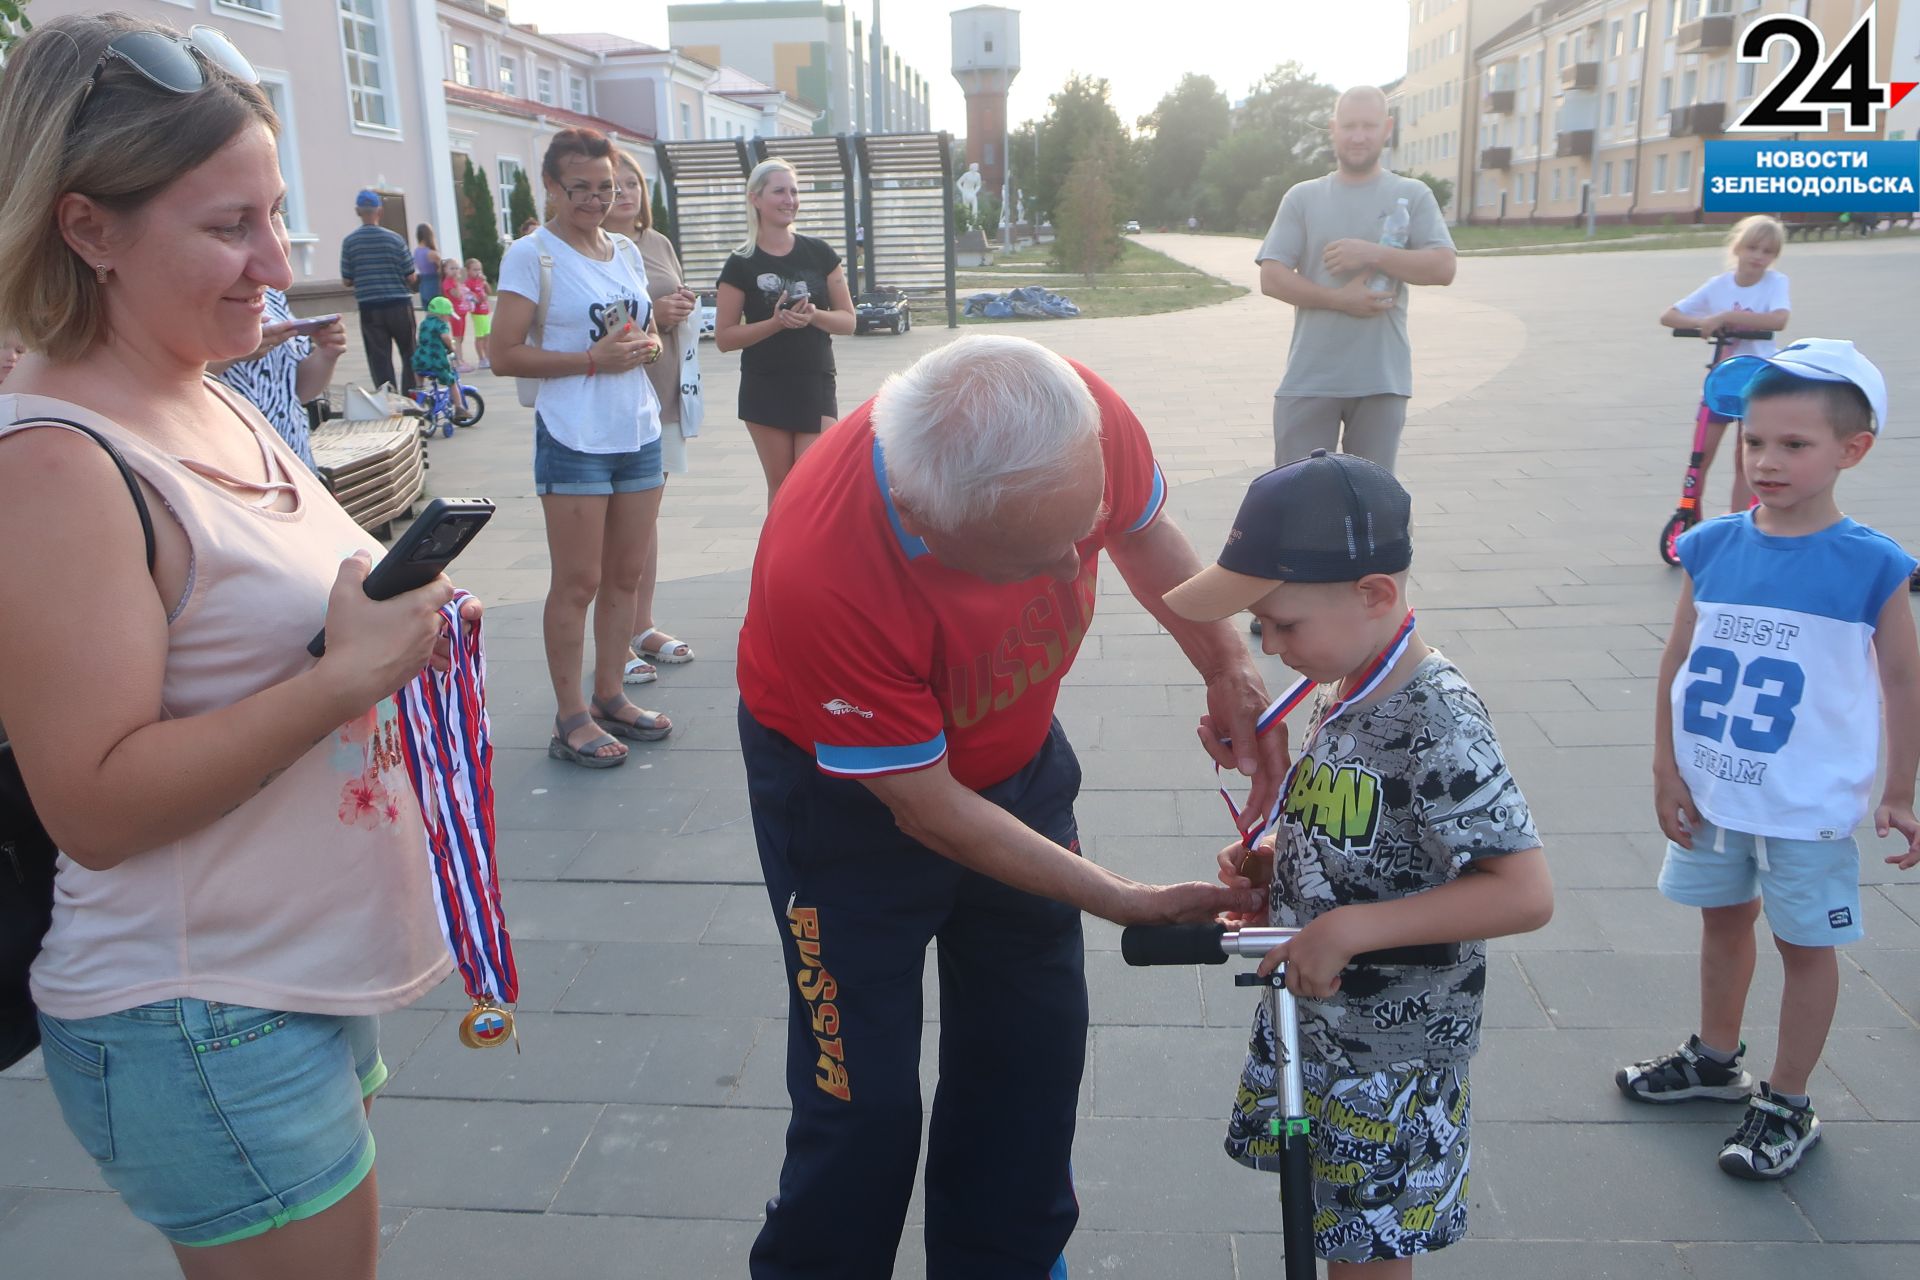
1330, 517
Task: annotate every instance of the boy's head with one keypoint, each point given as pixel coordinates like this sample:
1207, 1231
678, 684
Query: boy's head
1808, 413
1319, 553
1754, 242
440, 307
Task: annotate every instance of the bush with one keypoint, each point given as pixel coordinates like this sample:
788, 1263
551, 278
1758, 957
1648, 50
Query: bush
479, 223
1086, 234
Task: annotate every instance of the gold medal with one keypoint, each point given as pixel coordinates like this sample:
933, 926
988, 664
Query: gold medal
486, 1025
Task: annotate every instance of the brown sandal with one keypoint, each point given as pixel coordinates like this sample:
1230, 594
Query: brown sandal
646, 726
584, 756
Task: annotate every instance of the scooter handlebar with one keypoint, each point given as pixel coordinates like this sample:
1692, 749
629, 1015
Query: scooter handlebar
1184, 944
1730, 335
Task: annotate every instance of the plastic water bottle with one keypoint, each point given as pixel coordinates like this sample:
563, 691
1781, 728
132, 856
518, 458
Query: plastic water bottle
1393, 236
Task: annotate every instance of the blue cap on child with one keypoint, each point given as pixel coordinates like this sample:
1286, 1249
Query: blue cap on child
1821, 359
1329, 517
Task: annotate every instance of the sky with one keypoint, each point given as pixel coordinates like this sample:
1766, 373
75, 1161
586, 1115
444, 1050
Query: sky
1343, 42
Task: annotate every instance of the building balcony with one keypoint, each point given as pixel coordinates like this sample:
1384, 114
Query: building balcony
1573, 142
1579, 77
1705, 35
1497, 102
1701, 120
1496, 158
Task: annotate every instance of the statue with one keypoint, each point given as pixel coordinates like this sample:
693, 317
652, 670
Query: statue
968, 185
1020, 198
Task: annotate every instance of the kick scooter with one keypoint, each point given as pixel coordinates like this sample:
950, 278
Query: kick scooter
1687, 514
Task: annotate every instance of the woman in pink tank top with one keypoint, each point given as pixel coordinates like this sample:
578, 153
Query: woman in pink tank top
242, 887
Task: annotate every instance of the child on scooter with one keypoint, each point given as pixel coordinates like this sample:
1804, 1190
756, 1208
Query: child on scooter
1750, 295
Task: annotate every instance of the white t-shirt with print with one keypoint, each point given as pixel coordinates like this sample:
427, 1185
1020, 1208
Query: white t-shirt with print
1719, 294
610, 412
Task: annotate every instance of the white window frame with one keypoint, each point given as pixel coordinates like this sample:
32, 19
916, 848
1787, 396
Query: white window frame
503, 190
265, 12
577, 93
506, 73
543, 88
455, 49
1659, 175
389, 97
1606, 178
281, 84
1683, 171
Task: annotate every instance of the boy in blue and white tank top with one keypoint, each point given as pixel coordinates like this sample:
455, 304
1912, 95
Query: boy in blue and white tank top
1791, 629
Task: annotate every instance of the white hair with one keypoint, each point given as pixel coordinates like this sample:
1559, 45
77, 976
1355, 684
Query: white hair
980, 419
756, 183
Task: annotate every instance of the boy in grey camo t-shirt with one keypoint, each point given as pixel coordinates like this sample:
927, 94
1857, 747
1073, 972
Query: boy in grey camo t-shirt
1399, 825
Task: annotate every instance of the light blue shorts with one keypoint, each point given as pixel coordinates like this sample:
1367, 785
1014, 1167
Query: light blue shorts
216, 1122
1810, 888
567, 472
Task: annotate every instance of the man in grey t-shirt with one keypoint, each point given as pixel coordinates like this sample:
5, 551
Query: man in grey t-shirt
1350, 363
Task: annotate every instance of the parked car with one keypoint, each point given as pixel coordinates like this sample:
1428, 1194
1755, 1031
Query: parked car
1132, 228
883, 309
707, 315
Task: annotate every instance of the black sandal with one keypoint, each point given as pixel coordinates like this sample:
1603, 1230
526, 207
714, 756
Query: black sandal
584, 756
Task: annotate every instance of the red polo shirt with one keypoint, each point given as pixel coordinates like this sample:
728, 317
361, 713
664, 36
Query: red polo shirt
862, 648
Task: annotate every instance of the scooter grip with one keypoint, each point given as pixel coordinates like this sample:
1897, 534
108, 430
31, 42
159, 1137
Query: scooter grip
1158, 944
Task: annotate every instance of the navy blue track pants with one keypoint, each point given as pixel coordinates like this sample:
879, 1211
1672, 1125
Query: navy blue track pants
857, 903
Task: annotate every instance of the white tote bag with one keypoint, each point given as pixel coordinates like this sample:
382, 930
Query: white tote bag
693, 405
528, 389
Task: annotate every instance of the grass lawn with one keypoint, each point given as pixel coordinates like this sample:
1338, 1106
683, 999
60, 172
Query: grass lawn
1574, 239
1142, 283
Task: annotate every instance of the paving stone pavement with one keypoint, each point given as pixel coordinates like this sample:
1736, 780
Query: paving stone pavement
639, 1131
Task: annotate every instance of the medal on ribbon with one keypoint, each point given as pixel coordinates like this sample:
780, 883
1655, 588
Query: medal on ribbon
1282, 706
447, 744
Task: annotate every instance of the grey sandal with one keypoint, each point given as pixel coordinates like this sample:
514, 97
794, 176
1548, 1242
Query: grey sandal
648, 726
560, 749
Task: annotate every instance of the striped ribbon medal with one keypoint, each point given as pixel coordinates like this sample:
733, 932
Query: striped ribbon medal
1280, 707
449, 753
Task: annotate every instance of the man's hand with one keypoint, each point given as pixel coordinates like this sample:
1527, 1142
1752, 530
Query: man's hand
1235, 699
1673, 806
1343, 256
1314, 957
1889, 818
1358, 301
1195, 902
1242, 868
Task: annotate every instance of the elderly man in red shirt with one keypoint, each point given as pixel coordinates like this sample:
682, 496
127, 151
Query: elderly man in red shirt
923, 584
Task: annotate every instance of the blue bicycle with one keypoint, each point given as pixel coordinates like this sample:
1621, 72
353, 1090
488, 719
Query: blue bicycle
436, 399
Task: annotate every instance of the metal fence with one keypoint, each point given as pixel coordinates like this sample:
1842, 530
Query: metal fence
899, 186
707, 196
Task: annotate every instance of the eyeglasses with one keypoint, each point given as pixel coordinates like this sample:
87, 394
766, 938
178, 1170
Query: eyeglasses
602, 195
173, 62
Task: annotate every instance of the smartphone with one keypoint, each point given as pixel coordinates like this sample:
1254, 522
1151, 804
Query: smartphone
313, 324
429, 545
619, 317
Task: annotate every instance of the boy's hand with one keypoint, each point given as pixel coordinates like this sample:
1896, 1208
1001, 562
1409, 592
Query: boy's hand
1673, 806
1314, 957
1241, 869
1900, 817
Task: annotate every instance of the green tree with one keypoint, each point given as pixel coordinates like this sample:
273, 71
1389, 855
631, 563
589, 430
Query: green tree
1189, 122
1442, 188
1080, 121
662, 220
1279, 137
479, 222
520, 202
13, 22
1296, 109
1086, 235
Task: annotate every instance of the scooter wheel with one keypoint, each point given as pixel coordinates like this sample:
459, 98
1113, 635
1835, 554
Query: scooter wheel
1670, 536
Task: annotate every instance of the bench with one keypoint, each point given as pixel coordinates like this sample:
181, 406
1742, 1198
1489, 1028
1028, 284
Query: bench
376, 470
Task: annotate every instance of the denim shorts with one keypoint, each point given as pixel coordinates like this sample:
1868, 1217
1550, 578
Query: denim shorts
1810, 888
571, 473
216, 1122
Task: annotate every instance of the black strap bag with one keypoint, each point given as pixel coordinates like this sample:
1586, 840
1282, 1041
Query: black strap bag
27, 852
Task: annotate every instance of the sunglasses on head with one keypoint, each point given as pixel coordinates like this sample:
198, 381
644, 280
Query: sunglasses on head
173, 62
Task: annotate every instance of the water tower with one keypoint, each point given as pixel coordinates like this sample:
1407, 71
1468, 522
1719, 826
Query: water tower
986, 58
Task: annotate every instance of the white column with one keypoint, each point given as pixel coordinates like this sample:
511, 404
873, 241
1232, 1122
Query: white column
443, 205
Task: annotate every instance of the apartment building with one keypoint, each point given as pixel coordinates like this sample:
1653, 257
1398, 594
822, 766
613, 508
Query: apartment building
401, 95
819, 51
1611, 102
1432, 103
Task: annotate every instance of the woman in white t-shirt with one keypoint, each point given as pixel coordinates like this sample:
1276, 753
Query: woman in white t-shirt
1750, 296
596, 456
